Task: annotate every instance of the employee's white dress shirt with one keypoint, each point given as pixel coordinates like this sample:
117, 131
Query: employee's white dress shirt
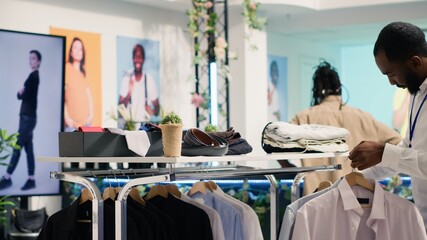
337, 215
411, 161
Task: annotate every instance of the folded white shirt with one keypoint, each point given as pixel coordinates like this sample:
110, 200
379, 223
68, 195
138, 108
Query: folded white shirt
285, 132
319, 146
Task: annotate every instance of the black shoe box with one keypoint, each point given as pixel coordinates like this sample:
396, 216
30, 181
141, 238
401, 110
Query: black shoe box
103, 144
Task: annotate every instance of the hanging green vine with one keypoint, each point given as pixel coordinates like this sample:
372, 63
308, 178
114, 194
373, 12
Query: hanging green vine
208, 45
251, 20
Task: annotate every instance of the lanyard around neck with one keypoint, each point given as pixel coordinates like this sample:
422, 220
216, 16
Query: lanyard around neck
412, 124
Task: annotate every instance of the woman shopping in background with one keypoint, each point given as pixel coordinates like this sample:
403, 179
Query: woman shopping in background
78, 109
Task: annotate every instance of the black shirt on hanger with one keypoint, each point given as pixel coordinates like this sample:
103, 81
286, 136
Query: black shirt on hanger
154, 222
191, 222
64, 224
137, 225
167, 221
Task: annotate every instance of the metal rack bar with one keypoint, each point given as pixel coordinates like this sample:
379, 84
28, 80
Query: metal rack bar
250, 172
273, 206
136, 172
97, 203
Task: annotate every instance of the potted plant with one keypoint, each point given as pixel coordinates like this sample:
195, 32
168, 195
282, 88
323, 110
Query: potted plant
171, 126
211, 128
7, 144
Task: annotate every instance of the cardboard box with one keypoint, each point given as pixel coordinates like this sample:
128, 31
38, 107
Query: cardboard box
103, 144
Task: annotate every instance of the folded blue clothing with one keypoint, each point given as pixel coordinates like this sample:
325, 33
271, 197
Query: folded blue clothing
239, 147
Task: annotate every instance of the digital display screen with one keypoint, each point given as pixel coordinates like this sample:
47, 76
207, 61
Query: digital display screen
31, 104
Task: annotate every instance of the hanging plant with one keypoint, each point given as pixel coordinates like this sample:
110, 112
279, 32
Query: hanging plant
200, 25
210, 46
250, 15
202, 22
251, 20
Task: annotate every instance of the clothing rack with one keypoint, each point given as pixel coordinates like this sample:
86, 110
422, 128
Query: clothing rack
145, 176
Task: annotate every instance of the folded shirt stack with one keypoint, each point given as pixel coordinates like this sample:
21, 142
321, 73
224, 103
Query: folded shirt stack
286, 137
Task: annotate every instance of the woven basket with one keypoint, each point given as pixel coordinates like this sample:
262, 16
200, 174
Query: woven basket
171, 139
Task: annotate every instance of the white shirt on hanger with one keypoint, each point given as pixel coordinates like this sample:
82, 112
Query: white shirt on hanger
250, 222
288, 222
337, 215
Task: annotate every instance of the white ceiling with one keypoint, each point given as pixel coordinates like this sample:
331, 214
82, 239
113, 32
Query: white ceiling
332, 21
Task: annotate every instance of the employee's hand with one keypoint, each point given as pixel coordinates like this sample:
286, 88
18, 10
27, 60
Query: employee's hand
366, 154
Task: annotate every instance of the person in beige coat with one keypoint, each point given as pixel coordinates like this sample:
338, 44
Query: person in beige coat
328, 109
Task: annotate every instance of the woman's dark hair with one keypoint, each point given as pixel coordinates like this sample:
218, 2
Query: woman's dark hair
326, 82
71, 59
400, 41
37, 53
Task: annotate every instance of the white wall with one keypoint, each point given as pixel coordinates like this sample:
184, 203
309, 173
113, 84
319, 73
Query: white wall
303, 55
248, 86
369, 89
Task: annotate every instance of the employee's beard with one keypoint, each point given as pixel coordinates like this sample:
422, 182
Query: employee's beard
412, 83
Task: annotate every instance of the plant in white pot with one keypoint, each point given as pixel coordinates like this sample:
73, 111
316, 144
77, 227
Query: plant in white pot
8, 143
171, 126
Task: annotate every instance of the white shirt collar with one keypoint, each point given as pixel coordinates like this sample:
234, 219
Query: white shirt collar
350, 201
423, 87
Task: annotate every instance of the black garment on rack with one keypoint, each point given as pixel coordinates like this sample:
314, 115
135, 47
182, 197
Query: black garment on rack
137, 225
63, 224
167, 221
154, 222
191, 222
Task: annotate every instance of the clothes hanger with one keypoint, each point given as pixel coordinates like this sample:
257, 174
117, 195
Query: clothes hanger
323, 185
134, 194
208, 186
86, 194
109, 192
198, 187
212, 184
357, 178
156, 190
173, 189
